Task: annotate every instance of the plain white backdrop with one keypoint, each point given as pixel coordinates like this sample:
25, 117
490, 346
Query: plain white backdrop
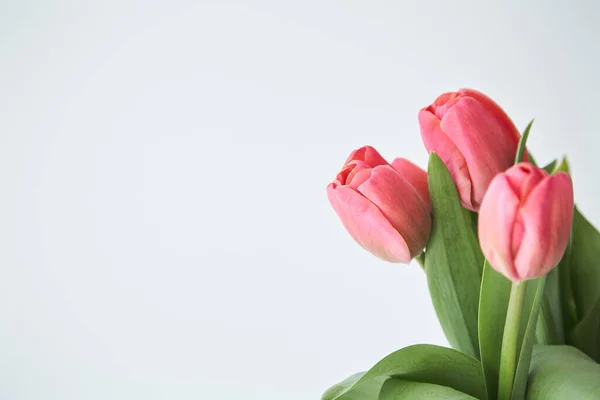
164, 228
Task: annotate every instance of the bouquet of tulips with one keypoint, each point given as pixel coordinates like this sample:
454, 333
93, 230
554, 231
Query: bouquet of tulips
513, 267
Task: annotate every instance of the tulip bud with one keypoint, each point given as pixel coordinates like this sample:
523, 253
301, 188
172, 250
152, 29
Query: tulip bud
473, 136
384, 207
525, 221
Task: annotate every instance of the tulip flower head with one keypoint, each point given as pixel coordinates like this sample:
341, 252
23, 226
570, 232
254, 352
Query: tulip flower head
525, 221
384, 207
473, 136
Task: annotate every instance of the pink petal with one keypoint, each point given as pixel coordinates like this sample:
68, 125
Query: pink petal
547, 216
401, 205
360, 177
367, 225
496, 220
413, 174
355, 167
483, 142
502, 118
443, 103
368, 155
523, 178
437, 141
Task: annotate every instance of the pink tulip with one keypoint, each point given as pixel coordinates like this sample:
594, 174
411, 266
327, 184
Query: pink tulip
384, 207
525, 221
473, 136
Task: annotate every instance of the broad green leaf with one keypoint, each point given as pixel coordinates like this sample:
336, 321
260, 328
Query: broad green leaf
493, 304
562, 372
419, 363
586, 335
585, 264
567, 298
367, 391
550, 327
531, 310
453, 263
473, 219
397, 389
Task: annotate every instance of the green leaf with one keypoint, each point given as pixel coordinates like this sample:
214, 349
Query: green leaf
367, 391
562, 372
531, 309
550, 327
550, 167
418, 363
453, 263
585, 264
562, 167
473, 219
567, 298
586, 335
493, 304
397, 389
523, 144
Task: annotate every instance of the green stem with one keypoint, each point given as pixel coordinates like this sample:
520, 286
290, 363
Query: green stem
510, 339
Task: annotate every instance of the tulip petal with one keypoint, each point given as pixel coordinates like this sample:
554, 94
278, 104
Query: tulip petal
416, 176
443, 103
367, 225
501, 117
401, 205
482, 141
351, 169
359, 175
547, 216
437, 141
524, 177
342, 176
496, 220
368, 155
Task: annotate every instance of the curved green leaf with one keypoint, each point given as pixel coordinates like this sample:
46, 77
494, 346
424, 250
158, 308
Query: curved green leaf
420, 363
586, 335
563, 166
567, 298
522, 146
453, 263
550, 326
367, 391
585, 264
562, 372
397, 389
550, 167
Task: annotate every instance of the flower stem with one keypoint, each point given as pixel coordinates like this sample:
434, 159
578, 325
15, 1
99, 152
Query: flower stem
510, 340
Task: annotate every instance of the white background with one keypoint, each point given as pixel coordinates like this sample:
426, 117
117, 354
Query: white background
164, 228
